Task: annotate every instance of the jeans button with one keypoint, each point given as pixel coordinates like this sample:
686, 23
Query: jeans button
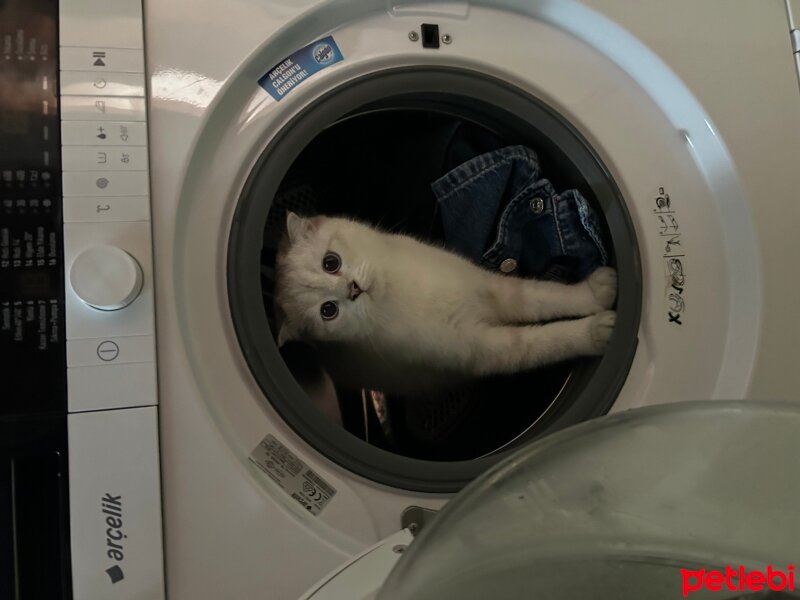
509, 265
537, 205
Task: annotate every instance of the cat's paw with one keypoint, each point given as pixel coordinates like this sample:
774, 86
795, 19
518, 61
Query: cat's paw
601, 326
603, 283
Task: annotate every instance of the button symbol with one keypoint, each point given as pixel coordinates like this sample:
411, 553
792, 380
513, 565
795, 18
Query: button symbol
126, 158
99, 56
100, 105
99, 83
101, 133
103, 207
102, 158
115, 573
123, 133
102, 183
107, 351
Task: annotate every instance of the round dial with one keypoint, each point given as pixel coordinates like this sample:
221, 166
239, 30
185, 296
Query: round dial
106, 277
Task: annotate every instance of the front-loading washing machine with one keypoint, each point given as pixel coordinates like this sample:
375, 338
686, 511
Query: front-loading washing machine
676, 122
642, 108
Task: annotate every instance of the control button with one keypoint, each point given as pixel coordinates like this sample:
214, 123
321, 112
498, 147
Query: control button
107, 351
110, 183
115, 505
106, 209
102, 59
102, 108
107, 133
537, 205
89, 158
111, 385
106, 24
132, 349
106, 278
509, 265
85, 83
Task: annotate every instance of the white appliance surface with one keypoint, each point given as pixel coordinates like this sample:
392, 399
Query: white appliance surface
697, 97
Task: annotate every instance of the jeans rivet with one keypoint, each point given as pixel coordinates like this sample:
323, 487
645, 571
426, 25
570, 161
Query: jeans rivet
537, 205
509, 265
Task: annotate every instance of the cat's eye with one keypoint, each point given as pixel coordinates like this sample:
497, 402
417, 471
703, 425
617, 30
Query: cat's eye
331, 263
329, 310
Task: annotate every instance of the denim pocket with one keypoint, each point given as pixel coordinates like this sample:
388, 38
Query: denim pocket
496, 210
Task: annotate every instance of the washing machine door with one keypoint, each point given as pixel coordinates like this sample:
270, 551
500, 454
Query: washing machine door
362, 577
659, 502
596, 511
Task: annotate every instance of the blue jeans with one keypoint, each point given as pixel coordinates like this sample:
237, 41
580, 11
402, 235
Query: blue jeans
497, 207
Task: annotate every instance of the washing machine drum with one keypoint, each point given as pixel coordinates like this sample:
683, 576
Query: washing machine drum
372, 152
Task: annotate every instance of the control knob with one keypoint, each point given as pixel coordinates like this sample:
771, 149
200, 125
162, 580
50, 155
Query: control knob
106, 277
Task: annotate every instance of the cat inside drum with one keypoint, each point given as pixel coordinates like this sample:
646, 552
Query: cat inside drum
392, 313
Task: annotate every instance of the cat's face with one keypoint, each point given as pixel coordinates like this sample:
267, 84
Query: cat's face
325, 283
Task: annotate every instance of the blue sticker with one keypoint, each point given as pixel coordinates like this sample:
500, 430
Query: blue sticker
292, 71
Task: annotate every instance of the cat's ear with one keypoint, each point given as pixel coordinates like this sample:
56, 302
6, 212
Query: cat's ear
297, 226
286, 334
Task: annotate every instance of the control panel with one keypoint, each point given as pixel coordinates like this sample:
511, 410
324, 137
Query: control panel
108, 272
79, 461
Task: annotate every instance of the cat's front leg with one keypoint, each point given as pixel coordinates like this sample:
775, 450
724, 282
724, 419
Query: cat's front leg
515, 300
509, 349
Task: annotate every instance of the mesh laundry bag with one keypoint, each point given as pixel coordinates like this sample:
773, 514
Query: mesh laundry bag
653, 504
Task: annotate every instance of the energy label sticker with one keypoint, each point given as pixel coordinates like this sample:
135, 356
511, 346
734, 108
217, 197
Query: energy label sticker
294, 70
292, 474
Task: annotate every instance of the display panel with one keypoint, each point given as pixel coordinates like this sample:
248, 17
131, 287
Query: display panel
32, 345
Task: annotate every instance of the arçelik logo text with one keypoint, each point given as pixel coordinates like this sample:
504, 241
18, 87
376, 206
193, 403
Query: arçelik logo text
738, 579
112, 506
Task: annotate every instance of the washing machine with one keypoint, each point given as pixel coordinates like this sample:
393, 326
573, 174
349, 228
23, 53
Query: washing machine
195, 458
675, 119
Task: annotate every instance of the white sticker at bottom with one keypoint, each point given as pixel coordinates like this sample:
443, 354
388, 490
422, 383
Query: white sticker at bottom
292, 474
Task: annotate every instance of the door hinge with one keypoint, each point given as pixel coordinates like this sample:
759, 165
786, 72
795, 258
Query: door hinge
414, 518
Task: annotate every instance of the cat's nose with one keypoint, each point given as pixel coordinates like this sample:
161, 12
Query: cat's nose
354, 290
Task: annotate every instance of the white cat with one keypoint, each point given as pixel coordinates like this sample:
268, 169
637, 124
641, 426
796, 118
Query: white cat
389, 312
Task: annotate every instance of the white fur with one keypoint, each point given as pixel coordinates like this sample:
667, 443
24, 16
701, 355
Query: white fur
428, 317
